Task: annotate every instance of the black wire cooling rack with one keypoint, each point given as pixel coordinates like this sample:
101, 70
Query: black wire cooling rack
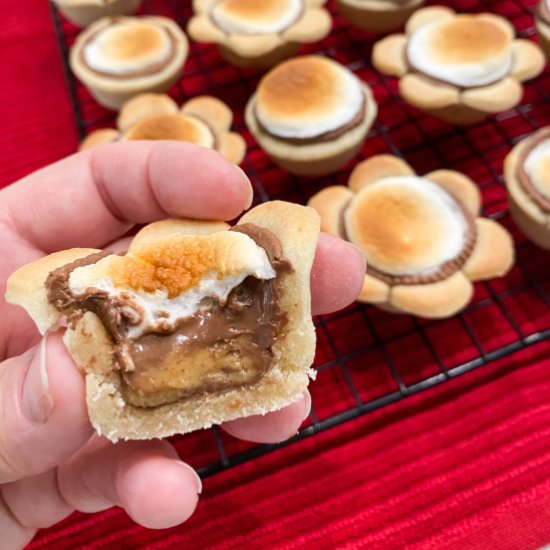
366, 358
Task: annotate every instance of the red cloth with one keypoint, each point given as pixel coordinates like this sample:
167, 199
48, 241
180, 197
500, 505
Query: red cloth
463, 465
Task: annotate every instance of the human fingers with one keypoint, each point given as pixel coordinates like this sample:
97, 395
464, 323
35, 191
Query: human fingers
336, 276
44, 418
146, 478
93, 197
272, 427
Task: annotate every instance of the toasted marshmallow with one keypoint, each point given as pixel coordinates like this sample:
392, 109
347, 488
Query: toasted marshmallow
465, 51
254, 17
174, 278
308, 96
537, 167
127, 46
176, 127
406, 225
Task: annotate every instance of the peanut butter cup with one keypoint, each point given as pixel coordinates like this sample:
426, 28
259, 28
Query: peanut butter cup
120, 57
310, 114
527, 175
421, 236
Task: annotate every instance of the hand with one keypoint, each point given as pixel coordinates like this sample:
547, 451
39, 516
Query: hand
51, 462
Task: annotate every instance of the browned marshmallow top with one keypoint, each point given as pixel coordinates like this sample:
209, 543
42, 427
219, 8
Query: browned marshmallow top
411, 230
128, 48
255, 17
309, 99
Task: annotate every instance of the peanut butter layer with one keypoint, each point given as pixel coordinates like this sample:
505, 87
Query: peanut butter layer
221, 348
218, 348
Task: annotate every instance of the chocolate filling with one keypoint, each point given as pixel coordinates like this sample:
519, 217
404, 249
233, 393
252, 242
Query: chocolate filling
444, 271
149, 70
325, 136
221, 347
524, 180
543, 12
251, 33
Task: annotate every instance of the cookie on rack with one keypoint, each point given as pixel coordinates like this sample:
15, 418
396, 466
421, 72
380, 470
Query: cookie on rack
527, 176
203, 120
542, 21
460, 68
378, 15
252, 33
117, 58
311, 115
84, 12
422, 237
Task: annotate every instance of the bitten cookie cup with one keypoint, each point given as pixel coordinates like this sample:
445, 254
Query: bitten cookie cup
422, 237
203, 120
460, 68
120, 57
310, 115
198, 323
378, 15
527, 176
84, 12
252, 33
542, 21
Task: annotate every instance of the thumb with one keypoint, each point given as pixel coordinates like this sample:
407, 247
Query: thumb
43, 419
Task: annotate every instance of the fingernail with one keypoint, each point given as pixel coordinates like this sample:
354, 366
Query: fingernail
248, 186
189, 469
37, 402
307, 404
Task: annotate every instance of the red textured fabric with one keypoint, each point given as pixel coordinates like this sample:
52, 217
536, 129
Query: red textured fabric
462, 465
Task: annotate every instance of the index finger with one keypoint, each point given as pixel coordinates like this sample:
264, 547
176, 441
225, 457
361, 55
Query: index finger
93, 197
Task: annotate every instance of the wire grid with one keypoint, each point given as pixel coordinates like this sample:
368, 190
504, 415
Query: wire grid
366, 358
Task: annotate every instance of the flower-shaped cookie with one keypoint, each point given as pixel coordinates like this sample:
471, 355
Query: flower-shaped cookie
253, 33
542, 21
527, 175
421, 236
203, 120
459, 67
378, 15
